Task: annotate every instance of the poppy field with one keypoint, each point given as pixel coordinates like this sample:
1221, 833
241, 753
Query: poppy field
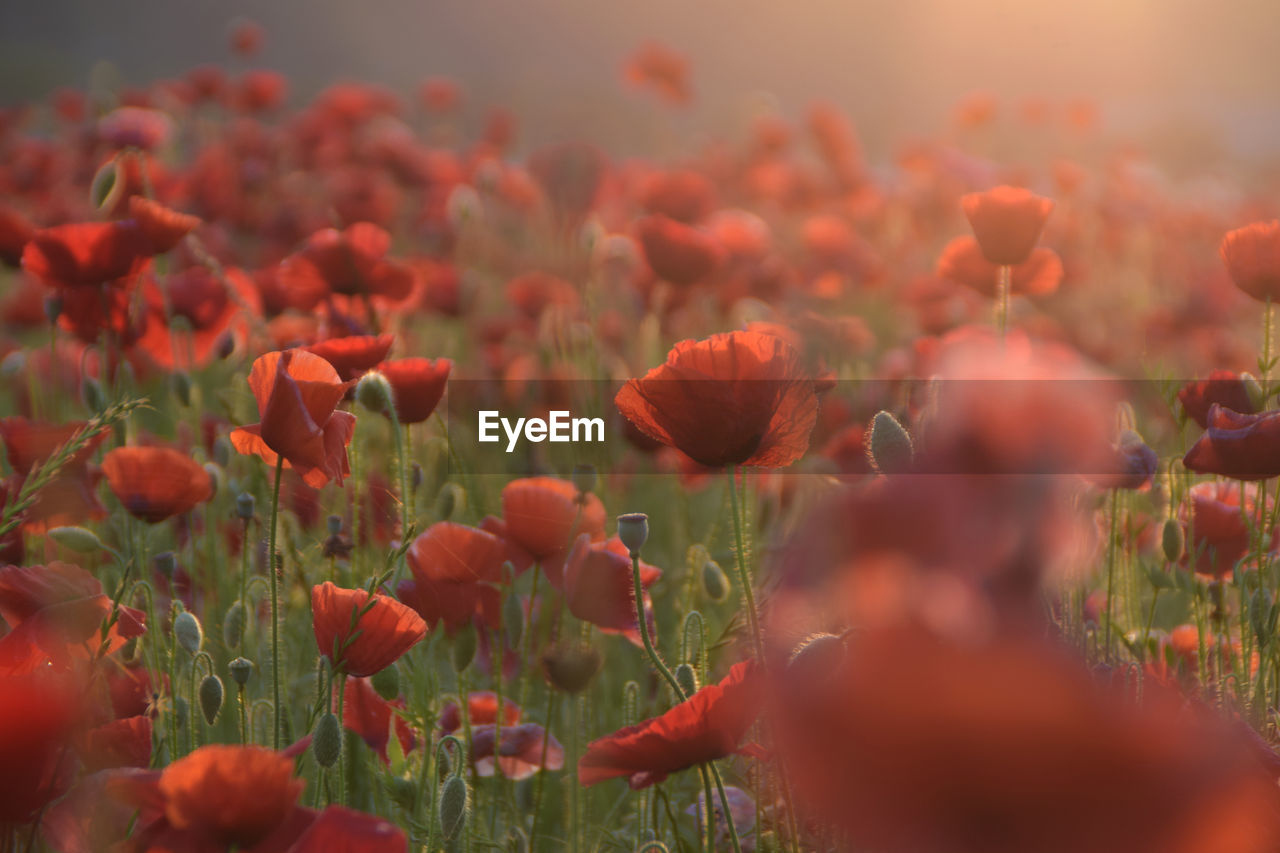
376, 480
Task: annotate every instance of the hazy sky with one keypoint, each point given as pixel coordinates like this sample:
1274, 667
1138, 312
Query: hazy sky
1154, 66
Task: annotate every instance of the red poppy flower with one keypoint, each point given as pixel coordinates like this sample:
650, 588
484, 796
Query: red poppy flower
339, 828
679, 253
962, 261
86, 254
683, 195
161, 227
455, 569
296, 393
1007, 222
598, 587
417, 384
37, 715
483, 708
156, 483
69, 498
351, 262
355, 356
535, 292
1222, 387
120, 743
1216, 528
260, 91
1239, 446
370, 716
1252, 256
740, 398
15, 231
360, 647
707, 726
542, 516
217, 311
246, 37
55, 613
661, 69
520, 750
135, 127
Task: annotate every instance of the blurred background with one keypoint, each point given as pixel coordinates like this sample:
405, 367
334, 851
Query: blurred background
1191, 82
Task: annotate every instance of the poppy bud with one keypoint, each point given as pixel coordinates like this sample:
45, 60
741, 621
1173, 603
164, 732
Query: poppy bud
386, 682
222, 451
454, 805
78, 539
687, 679
334, 524
816, 656
233, 624
187, 631
180, 382
1254, 389
715, 583
633, 530
166, 563
211, 697
215, 477
415, 477
888, 445
326, 740
451, 500
570, 667
180, 709
245, 504
53, 308
104, 182
464, 648
91, 391
403, 792
373, 391
584, 478
241, 669
513, 620
1172, 540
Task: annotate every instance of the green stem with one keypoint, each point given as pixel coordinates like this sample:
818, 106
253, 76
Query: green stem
1111, 570
1004, 283
275, 607
744, 576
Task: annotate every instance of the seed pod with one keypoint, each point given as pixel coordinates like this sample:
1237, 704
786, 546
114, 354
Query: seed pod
187, 631
326, 740
455, 801
211, 697
715, 583
584, 478
52, 308
687, 679
386, 682
333, 524
241, 669
222, 451
633, 530
888, 445
464, 648
79, 539
513, 620
166, 563
245, 504
233, 625
1172, 540
570, 666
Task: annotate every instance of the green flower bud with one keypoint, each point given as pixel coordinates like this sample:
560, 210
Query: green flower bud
386, 682
334, 525
451, 500
245, 505
78, 539
166, 563
455, 802
233, 625
187, 631
326, 740
464, 648
715, 583
1172, 540
404, 793
211, 697
180, 709
180, 382
633, 530
373, 391
888, 445
687, 679
101, 188
513, 620
91, 391
241, 669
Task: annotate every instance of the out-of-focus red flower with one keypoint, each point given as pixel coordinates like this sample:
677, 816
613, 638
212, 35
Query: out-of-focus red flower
520, 750
261, 91
384, 630
1221, 387
246, 37
352, 262
535, 292
440, 94
86, 254
483, 708
15, 231
296, 393
37, 715
417, 384
339, 828
355, 356
678, 253
1011, 746
156, 483
455, 569
1007, 222
1252, 256
572, 175
598, 586
69, 498
370, 716
741, 398
975, 110
656, 66
120, 743
962, 261
135, 127
161, 227
1134, 465
217, 310
683, 195
709, 725
1216, 530
54, 614
1236, 445
542, 517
